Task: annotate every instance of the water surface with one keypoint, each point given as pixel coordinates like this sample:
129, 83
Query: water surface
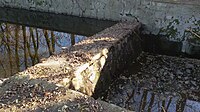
158, 83
26, 37
22, 46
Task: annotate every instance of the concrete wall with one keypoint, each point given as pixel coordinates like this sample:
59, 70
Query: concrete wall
166, 17
111, 51
91, 65
51, 21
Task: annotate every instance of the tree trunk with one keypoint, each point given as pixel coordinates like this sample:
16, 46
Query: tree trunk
29, 48
17, 28
72, 39
53, 41
48, 42
25, 46
9, 49
37, 44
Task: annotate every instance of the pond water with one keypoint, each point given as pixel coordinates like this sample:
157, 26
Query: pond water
22, 46
158, 83
26, 37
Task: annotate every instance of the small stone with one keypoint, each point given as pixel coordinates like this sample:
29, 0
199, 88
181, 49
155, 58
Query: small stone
171, 76
179, 85
165, 73
186, 82
188, 71
1, 82
174, 94
194, 83
181, 82
167, 93
162, 70
192, 88
17, 101
66, 80
179, 77
65, 108
184, 92
190, 66
178, 72
186, 78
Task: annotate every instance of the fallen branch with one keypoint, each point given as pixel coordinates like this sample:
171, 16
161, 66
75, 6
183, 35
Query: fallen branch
197, 35
163, 109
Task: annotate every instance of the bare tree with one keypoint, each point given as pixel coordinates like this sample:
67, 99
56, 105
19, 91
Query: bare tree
48, 42
25, 46
37, 44
7, 41
17, 29
72, 39
151, 102
29, 47
143, 101
53, 41
181, 103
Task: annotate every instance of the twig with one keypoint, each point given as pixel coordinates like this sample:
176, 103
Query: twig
163, 109
197, 35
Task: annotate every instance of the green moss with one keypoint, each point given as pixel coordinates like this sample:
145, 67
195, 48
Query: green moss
171, 31
40, 2
193, 33
97, 75
198, 22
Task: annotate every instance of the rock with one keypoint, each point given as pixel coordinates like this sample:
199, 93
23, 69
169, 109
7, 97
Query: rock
190, 66
181, 82
186, 78
194, 83
1, 82
193, 88
188, 71
171, 76
178, 72
66, 82
186, 82
179, 85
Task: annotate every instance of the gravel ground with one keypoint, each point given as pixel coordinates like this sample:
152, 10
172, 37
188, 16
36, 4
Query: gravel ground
19, 94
